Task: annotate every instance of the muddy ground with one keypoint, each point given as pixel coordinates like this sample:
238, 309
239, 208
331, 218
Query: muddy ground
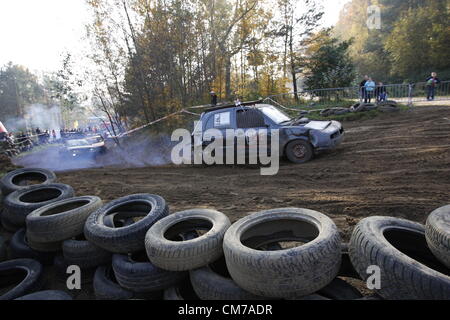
394, 165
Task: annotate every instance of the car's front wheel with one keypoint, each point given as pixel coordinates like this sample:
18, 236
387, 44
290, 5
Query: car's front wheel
299, 151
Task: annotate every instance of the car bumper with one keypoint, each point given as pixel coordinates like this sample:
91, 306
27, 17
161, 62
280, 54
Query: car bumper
331, 140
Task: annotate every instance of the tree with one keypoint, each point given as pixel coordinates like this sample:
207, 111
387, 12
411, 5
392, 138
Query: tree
18, 89
293, 28
378, 52
62, 85
419, 43
327, 63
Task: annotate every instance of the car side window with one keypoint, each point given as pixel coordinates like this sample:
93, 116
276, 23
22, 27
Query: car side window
222, 119
249, 118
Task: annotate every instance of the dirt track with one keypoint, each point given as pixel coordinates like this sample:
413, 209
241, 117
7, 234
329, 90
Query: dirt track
396, 164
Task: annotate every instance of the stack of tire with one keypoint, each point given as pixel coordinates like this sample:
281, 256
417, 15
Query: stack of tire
334, 112
23, 260
132, 248
245, 261
413, 259
120, 227
384, 106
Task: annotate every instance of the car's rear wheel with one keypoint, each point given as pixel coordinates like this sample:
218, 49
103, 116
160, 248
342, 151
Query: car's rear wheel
299, 151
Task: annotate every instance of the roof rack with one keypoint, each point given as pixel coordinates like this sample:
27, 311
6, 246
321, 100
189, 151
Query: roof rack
233, 105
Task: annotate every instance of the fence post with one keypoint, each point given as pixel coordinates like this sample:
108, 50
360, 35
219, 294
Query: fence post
410, 94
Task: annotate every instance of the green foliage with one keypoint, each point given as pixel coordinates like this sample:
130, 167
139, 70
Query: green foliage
419, 43
18, 88
354, 116
412, 41
327, 63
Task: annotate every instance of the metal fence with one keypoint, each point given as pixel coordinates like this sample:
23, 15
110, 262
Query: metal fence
408, 94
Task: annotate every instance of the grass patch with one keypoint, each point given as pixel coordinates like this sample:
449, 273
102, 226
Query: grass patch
353, 116
324, 105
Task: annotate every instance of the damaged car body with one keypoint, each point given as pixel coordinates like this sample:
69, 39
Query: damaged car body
299, 138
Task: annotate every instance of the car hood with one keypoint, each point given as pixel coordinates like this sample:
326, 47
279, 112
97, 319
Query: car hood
98, 144
79, 148
318, 125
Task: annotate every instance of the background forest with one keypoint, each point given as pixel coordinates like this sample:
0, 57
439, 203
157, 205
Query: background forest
149, 58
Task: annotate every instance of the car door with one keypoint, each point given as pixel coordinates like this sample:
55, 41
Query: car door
252, 120
220, 121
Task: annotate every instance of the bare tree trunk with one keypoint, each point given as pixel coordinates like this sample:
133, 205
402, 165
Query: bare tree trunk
228, 77
138, 56
293, 71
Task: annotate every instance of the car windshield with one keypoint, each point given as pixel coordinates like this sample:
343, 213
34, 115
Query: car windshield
273, 113
77, 143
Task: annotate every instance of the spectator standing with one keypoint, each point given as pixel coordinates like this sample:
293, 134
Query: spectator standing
381, 92
362, 88
369, 88
213, 98
39, 135
432, 83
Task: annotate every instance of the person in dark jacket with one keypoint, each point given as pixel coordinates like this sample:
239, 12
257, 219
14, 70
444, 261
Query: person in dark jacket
213, 98
381, 92
362, 87
432, 83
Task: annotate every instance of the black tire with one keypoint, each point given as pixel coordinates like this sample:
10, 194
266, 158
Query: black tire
11, 181
388, 108
19, 204
129, 238
182, 291
85, 254
25, 274
3, 253
437, 233
326, 112
299, 151
106, 286
48, 247
61, 265
347, 269
6, 226
19, 249
290, 273
167, 254
213, 282
61, 220
119, 219
52, 295
398, 247
370, 107
388, 103
341, 112
136, 273
339, 289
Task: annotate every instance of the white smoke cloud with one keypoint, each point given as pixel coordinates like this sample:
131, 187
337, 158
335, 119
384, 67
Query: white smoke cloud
43, 117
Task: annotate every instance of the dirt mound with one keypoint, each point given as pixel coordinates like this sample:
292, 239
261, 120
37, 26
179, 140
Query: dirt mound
388, 165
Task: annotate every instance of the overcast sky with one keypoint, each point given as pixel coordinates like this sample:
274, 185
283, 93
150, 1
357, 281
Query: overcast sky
35, 33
